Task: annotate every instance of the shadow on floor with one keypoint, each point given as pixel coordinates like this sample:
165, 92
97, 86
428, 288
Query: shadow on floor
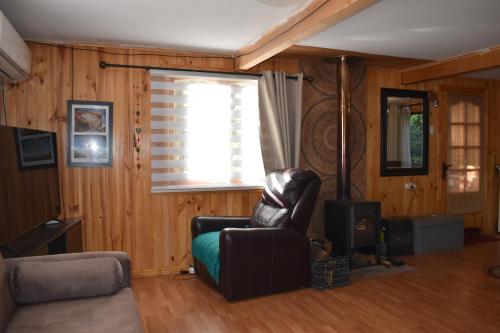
473, 237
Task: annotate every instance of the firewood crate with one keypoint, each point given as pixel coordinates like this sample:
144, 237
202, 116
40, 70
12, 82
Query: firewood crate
330, 273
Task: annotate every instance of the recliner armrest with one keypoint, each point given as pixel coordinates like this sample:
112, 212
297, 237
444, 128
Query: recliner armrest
204, 224
262, 260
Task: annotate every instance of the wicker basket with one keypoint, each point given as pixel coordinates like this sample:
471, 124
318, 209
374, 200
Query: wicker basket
330, 273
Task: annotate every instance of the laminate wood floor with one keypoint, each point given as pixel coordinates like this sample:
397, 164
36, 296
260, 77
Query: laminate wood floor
448, 292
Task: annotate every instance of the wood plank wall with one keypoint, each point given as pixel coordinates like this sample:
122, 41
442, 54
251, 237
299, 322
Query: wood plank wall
118, 210
428, 200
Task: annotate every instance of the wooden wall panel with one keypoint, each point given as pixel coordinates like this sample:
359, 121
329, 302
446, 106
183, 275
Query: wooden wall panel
119, 212
428, 197
34, 103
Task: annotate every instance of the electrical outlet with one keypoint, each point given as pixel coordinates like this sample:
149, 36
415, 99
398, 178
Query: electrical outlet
410, 186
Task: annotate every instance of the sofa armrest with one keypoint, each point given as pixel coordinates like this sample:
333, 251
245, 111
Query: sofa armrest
259, 261
121, 256
204, 224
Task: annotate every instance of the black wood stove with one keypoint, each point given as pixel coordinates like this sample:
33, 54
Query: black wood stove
351, 226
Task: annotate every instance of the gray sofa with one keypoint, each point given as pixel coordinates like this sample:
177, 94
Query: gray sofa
76, 293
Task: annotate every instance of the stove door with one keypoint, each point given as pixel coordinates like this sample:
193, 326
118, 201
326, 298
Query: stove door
364, 227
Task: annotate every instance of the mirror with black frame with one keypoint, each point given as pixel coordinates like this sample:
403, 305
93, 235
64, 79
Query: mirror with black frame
404, 132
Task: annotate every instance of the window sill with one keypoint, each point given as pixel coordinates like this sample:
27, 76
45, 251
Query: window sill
215, 188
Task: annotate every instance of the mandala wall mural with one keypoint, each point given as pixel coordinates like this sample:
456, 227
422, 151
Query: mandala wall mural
319, 133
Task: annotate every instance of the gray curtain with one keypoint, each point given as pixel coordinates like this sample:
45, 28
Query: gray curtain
280, 105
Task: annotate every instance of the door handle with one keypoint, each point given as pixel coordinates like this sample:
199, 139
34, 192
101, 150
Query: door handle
444, 170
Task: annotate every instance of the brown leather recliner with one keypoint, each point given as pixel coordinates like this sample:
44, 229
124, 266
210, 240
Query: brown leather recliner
269, 251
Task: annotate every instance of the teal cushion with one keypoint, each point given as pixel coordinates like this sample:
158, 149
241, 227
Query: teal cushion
205, 248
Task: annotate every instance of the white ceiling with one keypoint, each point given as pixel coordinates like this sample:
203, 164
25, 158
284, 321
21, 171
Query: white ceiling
205, 25
424, 29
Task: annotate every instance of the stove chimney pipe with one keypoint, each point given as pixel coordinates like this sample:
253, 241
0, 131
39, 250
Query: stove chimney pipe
343, 122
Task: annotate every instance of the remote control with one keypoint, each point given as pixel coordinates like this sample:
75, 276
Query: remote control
52, 222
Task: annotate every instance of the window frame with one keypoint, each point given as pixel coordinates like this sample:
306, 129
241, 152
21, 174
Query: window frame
196, 187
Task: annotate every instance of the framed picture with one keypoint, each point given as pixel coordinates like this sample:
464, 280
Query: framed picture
90, 133
35, 149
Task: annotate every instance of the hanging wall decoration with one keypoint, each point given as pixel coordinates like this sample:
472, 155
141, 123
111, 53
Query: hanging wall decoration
137, 139
90, 134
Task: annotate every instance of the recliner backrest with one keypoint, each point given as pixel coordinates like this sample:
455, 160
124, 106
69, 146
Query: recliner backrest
288, 199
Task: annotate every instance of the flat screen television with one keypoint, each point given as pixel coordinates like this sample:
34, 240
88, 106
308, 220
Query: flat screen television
29, 181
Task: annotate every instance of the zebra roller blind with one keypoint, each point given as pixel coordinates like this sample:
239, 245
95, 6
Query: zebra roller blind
204, 132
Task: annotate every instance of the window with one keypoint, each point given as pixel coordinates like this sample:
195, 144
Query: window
204, 132
464, 154
416, 142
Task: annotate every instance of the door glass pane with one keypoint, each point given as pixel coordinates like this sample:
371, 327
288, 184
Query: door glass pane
457, 135
473, 159
456, 158
455, 182
472, 181
457, 112
473, 135
473, 113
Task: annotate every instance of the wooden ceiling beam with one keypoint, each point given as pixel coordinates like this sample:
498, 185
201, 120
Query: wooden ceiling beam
471, 62
368, 59
316, 16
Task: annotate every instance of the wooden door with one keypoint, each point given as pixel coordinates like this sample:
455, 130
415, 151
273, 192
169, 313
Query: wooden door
464, 149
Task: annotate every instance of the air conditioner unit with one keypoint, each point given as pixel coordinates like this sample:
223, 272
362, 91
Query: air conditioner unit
15, 57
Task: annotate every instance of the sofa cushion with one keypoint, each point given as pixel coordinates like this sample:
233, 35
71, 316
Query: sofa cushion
33, 282
116, 313
7, 304
205, 248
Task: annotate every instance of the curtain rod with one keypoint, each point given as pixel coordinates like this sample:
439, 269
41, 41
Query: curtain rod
104, 64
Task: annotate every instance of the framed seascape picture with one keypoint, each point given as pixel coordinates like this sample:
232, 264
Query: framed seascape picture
90, 133
35, 149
